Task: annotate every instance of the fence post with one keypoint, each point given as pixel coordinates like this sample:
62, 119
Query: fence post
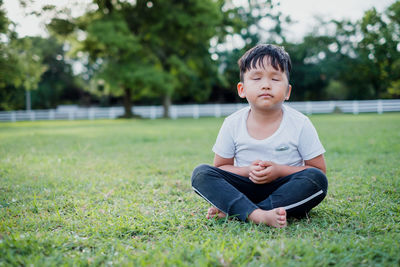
51, 114
174, 113
380, 106
355, 107
217, 110
32, 113
133, 110
13, 117
111, 113
195, 111
153, 112
70, 115
308, 108
91, 113
332, 106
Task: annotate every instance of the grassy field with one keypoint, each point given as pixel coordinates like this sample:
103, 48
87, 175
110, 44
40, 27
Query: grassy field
118, 193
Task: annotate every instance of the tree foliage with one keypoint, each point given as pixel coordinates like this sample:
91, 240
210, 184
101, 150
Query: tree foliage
379, 50
20, 65
254, 22
57, 85
163, 51
151, 48
357, 61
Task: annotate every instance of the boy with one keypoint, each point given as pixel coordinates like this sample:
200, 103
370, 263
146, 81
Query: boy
269, 162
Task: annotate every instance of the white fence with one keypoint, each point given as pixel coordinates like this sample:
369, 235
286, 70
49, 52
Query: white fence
196, 111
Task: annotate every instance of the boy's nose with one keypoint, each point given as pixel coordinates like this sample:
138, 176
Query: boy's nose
266, 85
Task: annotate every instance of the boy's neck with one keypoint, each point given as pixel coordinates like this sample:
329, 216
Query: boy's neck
266, 116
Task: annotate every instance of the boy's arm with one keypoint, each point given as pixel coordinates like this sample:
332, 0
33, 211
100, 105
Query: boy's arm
317, 162
273, 171
227, 165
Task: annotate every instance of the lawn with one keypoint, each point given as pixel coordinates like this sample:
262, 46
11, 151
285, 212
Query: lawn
118, 193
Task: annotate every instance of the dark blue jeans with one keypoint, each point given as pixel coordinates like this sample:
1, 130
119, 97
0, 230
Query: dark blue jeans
237, 196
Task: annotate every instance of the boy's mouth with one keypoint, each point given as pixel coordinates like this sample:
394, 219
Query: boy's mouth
265, 96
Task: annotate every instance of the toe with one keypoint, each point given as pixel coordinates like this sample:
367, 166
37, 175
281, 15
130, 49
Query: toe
281, 211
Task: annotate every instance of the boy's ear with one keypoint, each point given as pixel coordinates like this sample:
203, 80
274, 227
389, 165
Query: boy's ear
289, 90
240, 89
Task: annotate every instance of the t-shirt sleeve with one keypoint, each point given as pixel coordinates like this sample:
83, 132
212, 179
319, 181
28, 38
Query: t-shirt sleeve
224, 145
309, 144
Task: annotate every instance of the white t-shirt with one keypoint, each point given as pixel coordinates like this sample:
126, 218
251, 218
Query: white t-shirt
295, 140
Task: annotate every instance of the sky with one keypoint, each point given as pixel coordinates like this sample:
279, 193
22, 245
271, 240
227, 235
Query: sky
303, 12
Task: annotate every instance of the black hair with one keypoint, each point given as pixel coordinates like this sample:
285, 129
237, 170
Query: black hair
277, 56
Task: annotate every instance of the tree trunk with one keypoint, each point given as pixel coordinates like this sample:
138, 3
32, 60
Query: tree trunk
127, 103
166, 105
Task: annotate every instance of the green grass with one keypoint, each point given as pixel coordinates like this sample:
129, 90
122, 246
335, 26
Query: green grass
118, 193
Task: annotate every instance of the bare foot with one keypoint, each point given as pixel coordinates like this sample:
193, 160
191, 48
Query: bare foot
274, 218
213, 211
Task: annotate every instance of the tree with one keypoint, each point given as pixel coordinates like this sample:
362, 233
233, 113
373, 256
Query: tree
380, 50
310, 67
180, 41
358, 60
254, 22
146, 48
367, 55
20, 65
57, 85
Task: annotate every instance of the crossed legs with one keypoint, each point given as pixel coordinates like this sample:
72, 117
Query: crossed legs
235, 195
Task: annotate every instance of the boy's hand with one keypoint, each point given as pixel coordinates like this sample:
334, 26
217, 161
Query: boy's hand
266, 172
255, 166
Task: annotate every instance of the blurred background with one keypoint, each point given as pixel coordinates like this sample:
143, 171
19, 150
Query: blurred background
161, 52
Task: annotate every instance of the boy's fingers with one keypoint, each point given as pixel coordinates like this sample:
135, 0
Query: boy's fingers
257, 179
258, 168
260, 173
265, 163
254, 178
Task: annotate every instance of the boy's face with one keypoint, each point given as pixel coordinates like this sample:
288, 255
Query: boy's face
265, 88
